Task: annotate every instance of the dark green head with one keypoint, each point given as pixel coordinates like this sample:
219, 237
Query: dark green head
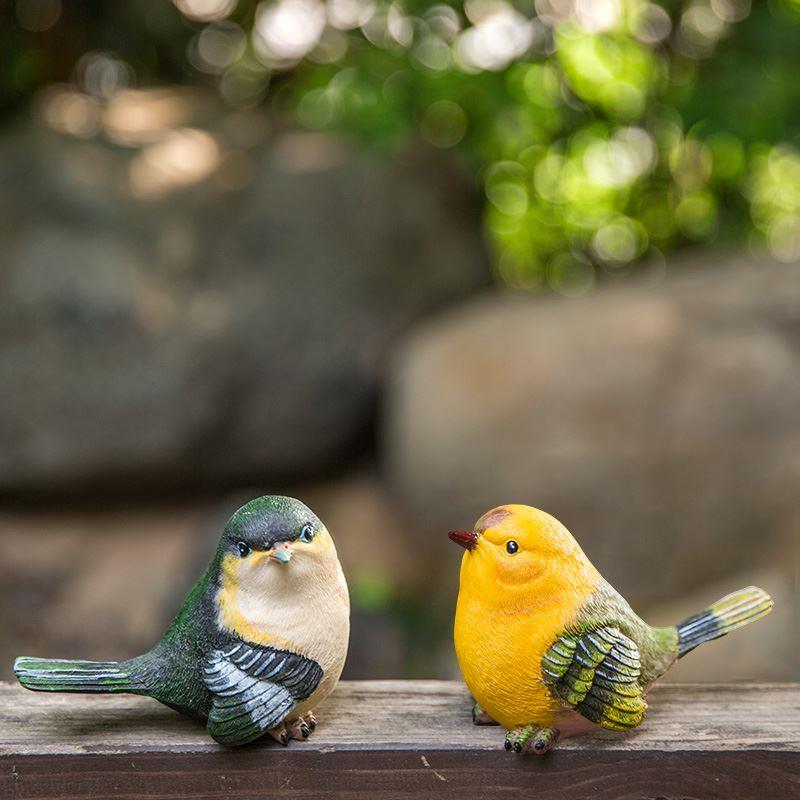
273, 551
264, 523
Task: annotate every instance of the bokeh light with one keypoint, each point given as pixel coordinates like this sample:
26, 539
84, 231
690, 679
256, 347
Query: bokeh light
348, 14
102, 74
598, 138
444, 123
68, 111
287, 30
499, 35
184, 157
205, 10
37, 15
773, 187
216, 47
135, 118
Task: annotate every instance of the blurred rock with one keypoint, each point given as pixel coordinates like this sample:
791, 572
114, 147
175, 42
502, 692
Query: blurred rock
97, 585
660, 424
211, 305
384, 567
767, 650
373, 538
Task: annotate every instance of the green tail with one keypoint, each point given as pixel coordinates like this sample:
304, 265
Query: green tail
726, 615
57, 675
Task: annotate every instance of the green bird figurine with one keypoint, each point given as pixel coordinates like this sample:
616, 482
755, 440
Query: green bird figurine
259, 642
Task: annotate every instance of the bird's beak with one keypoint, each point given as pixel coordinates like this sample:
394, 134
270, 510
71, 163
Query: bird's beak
282, 553
467, 539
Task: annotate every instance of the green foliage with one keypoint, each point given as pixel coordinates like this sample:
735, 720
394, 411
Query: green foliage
372, 592
620, 131
602, 131
595, 147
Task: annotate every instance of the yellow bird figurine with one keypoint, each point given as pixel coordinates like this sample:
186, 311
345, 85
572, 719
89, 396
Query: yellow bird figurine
547, 646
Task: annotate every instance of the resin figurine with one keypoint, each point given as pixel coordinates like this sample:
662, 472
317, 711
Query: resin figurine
259, 642
546, 645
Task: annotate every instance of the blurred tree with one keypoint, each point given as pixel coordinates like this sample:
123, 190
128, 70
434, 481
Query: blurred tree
602, 131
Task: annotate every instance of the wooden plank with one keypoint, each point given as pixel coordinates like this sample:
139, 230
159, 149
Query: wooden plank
396, 739
395, 715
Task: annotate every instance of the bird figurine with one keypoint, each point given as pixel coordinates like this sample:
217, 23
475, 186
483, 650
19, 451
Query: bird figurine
259, 642
548, 647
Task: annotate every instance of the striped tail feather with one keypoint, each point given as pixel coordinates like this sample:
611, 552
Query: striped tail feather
58, 675
727, 614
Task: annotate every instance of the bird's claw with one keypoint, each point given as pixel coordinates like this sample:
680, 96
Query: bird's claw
480, 717
298, 728
301, 727
531, 739
279, 734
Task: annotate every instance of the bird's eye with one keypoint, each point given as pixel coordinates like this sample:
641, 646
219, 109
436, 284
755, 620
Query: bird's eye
244, 549
306, 533
512, 547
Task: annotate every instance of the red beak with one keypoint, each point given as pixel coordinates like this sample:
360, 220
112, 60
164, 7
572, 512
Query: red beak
467, 539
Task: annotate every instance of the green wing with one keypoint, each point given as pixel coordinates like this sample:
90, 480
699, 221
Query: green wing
254, 689
596, 672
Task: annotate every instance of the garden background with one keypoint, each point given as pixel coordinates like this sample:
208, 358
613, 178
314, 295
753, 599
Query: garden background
405, 261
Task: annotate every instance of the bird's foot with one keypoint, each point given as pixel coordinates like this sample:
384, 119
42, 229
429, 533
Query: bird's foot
480, 717
298, 728
279, 734
301, 727
531, 739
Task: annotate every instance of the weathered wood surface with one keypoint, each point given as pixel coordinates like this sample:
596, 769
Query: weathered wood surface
397, 739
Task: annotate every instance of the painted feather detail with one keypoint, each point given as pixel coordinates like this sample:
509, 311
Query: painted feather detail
596, 672
255, 689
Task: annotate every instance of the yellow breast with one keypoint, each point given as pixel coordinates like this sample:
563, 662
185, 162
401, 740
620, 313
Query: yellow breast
500, 654
512, 606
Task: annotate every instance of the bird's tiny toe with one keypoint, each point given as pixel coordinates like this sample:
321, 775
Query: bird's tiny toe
521, 739
298, 729
545, 740
301, 727
279, 734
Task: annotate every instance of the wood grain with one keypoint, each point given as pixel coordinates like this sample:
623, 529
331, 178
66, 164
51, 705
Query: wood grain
397, 739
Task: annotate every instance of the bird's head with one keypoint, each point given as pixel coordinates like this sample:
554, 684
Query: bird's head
517, 548
275, 544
